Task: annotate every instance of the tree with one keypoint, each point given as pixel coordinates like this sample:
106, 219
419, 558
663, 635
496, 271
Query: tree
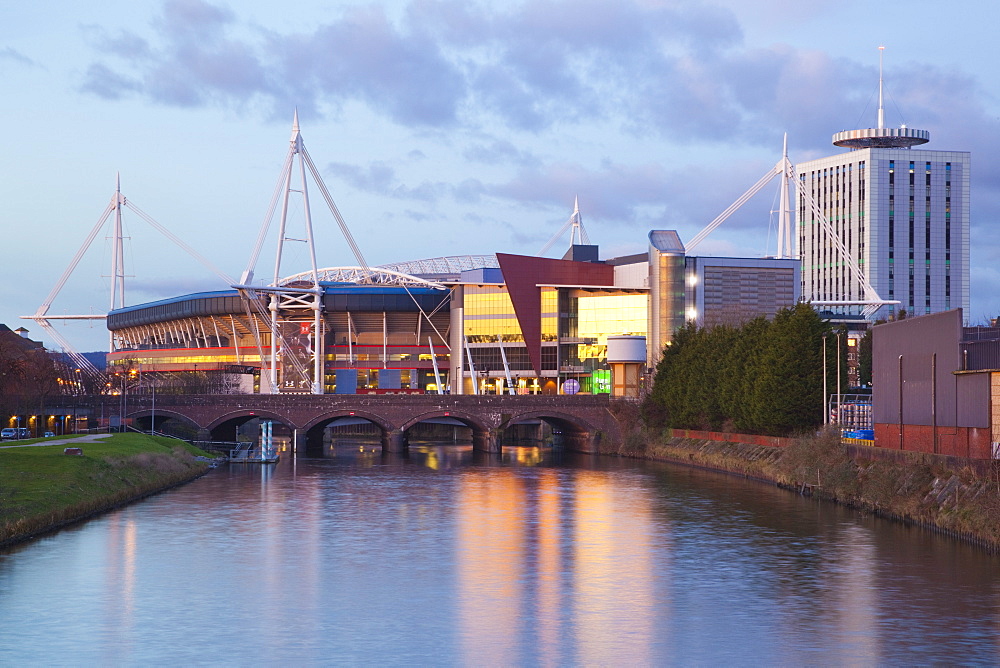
762, 377
865, 360
787, 392
659, 403
739, 368
28, 375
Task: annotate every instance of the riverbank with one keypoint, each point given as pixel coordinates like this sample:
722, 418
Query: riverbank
42, 489
911, 487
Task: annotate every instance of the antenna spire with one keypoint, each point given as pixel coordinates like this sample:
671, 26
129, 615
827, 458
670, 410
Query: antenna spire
881, 107
881, 136
296, 139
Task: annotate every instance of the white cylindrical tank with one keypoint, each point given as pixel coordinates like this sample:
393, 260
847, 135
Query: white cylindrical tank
626, 349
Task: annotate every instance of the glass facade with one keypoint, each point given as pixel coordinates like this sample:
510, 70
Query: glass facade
575, 324
604, 315
587, 318
667, 314
550, 314
489, 313
903, 216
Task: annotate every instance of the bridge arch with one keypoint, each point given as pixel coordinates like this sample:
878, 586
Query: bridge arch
315, 427
483, 437
330, 416
470, 420
146, 419
224, 427
571, 430
587, 420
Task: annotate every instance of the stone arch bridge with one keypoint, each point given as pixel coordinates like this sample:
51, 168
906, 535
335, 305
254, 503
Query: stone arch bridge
585, 421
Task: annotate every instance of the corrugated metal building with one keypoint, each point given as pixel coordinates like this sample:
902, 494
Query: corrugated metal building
936, 386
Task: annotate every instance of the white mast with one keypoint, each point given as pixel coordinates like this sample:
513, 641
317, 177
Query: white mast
42, 315
295, 301
575, 225
785, 240
118, 252
117, 258
881, 108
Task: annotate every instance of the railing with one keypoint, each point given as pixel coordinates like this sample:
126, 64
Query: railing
246, 451
222, 447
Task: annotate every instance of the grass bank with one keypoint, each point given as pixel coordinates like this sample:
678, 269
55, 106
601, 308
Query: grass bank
919, 489
42, 489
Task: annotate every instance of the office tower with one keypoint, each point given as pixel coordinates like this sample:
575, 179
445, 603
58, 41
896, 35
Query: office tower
901, 212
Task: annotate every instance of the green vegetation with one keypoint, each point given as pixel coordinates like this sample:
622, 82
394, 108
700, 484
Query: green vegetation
765, 377
41, 487
865, 359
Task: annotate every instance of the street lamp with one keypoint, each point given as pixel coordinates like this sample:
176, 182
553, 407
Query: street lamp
131, 372
152, 418
76, 398
826, 411
121, 404
840, 410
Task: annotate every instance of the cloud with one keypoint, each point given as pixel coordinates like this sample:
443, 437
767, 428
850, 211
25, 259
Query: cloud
611, 195
672, 69
380, 178
15, 56
193, 20
126, 45
499, 152
364, 56
193, 63
108, 84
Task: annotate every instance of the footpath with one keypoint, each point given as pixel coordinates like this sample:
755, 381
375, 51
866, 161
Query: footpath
74, 441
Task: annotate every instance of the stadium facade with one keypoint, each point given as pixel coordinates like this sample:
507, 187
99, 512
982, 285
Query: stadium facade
466, 324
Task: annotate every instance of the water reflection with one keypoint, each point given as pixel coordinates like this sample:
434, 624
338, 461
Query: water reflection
448, 556
612, 563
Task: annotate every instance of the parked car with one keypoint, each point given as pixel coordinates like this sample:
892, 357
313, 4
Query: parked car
8, 434
49, 434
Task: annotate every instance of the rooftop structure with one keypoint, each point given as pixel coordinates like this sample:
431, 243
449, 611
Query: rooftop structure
881, 136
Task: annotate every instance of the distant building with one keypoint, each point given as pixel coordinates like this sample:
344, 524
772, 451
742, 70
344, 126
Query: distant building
711, 291
18, 339
902, 213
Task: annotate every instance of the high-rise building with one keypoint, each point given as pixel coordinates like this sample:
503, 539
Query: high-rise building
902, 215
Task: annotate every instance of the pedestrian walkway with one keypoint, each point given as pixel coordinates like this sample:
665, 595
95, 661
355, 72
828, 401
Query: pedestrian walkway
86, 438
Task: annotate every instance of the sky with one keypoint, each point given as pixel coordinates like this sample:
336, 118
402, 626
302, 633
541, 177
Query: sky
450, 127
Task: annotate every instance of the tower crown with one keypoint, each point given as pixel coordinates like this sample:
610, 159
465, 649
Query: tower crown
881, 136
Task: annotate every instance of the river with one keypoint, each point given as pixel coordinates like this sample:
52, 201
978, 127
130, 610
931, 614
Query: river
448, 557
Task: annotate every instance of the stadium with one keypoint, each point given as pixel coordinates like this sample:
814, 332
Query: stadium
497, 323
464, 325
